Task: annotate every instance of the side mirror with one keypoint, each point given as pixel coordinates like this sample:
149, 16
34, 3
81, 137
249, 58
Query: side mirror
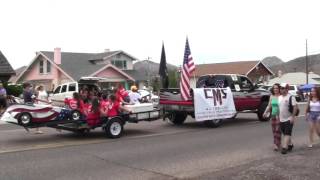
255, 86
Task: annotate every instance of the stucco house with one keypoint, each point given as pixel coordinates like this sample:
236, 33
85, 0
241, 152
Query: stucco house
6, 70
255, 70
51, 68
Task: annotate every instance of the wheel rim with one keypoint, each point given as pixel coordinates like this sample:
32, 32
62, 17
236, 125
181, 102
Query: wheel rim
216, 121
25, 118
75, 116
115, 128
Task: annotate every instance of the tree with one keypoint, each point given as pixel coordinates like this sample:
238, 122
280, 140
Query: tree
173, 79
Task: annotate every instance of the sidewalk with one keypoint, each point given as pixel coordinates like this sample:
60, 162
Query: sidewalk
302, 163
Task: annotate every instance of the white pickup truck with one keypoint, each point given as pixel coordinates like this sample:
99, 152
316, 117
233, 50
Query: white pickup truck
66, 90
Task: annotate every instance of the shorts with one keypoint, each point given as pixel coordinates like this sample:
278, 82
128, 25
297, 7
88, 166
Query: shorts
314, 116
286, 128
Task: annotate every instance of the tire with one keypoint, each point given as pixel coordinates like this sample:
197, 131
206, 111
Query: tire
213, 123
25, 119
114, 128
261, 110
75, 115
178, 118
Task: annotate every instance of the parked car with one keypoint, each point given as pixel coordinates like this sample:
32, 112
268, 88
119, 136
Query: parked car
294, 91
247, 98
66, 90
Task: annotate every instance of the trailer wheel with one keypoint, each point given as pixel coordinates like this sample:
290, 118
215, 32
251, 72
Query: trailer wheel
178, 118
75, 115
261, 110
25, 119
114, 128
213, 123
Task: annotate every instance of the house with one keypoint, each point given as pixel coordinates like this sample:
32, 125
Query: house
255, 70
51, 68
296, 78
18, 72
6, 70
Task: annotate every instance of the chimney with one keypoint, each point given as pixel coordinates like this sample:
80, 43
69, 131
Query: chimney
57, 55
279, 73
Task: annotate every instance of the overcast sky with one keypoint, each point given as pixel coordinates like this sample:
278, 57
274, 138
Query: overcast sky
218, 30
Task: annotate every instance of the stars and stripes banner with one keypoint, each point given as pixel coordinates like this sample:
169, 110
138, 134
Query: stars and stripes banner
187, 68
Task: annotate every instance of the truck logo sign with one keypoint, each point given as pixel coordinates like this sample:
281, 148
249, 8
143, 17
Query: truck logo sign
216, 94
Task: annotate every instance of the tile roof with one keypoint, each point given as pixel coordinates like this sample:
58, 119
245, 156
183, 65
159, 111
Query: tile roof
239, 67
5, 67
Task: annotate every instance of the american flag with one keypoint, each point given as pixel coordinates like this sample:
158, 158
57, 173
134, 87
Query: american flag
187, 68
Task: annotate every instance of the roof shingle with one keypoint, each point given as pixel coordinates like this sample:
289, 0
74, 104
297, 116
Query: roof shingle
5, 67
239, 67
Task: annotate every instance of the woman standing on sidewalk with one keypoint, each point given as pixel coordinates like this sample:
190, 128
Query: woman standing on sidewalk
313, 114
273, 107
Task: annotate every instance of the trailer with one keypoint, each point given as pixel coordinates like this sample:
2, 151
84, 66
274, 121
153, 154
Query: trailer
63, 118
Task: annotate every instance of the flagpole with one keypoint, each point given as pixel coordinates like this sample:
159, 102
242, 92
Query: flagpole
194, 77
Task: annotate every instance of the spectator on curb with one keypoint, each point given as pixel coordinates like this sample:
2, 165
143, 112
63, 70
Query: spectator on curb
313, 114
273, 107
3, 98
286, 117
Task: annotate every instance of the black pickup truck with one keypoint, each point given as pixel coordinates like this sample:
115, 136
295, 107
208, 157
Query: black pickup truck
247, 98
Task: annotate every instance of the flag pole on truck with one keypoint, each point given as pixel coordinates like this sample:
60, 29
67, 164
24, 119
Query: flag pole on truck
163, 71
187, 69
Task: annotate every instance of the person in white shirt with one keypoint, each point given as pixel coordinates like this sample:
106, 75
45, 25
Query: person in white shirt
286, 117
135, 97
41, 98
42, 95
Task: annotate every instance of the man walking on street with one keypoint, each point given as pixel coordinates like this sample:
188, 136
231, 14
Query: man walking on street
287, 118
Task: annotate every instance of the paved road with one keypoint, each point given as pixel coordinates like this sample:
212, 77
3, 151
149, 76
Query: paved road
146, 151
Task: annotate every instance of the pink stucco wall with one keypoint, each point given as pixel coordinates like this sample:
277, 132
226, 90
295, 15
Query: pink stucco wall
111, 73
33, 73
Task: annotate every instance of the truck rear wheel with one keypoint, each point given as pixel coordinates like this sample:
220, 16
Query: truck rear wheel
178, 118
261, 110
213, 123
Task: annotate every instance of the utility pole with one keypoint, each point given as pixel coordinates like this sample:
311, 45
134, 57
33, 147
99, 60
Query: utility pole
307, 63
148, 71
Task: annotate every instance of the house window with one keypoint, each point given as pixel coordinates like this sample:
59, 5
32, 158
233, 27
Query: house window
48, 67
121, 64
41, 67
